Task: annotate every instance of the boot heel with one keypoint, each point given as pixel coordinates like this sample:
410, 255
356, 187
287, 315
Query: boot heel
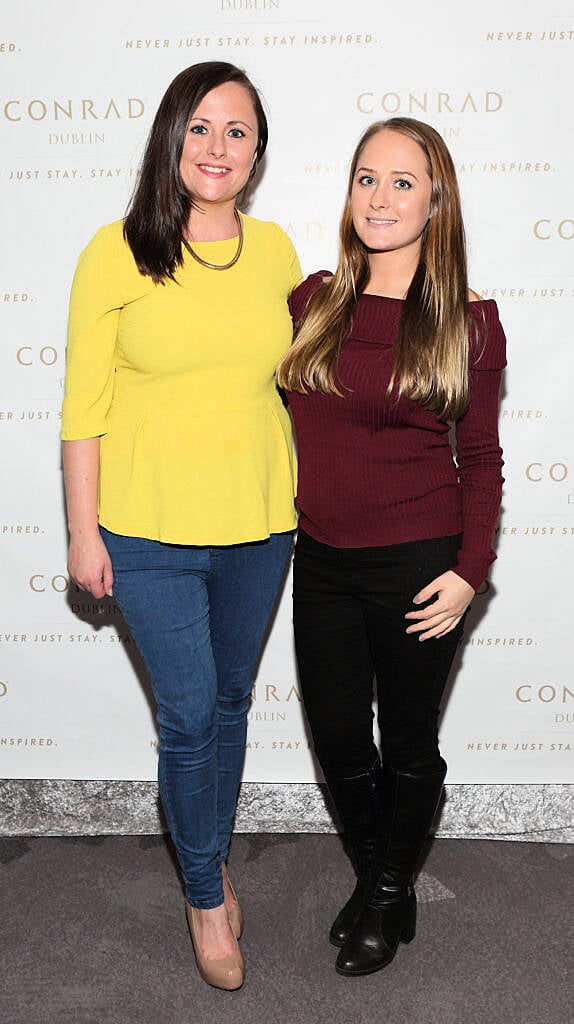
410, 926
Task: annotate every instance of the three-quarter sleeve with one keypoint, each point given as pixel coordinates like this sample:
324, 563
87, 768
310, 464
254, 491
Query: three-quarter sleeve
95, 305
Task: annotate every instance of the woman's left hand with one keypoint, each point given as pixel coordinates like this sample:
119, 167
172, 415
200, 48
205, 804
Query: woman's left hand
453, 596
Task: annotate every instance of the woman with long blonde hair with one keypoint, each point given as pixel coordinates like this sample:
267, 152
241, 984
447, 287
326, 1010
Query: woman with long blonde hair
395, 529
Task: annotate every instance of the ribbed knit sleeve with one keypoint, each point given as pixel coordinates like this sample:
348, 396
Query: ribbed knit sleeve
300, 297
478, 452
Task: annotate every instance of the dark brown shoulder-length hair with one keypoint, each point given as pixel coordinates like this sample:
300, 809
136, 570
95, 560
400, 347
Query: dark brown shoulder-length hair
431, 362
160, 205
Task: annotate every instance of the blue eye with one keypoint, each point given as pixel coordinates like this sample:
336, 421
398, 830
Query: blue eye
236, 133
366, 179
402, 184
198, 129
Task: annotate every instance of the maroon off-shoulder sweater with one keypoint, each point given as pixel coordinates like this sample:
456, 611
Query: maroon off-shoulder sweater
374, 472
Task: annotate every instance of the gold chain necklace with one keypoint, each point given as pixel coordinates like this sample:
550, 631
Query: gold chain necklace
221, 266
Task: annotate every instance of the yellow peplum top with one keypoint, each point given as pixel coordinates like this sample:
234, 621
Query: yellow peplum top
178, 381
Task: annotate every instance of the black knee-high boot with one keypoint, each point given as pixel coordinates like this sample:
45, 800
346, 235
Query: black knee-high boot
388, 914
357, 803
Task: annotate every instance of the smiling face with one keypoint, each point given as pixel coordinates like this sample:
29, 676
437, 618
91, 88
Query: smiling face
391, 195
220, 145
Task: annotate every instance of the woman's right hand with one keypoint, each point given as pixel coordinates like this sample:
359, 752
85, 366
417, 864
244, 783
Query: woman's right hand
90, 566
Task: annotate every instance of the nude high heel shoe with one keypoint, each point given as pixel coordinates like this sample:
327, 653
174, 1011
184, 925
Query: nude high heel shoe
226, 972
234, 911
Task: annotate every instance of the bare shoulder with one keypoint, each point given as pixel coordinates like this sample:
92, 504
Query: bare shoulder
473, 297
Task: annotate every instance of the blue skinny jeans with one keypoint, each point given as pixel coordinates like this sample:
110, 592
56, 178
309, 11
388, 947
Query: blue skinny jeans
199, 616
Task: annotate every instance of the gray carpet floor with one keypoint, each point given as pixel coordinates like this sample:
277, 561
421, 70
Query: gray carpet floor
94, 932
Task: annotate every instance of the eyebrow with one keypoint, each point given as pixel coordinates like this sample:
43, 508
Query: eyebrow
370, 170
206, 120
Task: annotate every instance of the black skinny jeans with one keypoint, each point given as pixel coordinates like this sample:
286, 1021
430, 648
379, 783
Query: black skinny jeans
349, 608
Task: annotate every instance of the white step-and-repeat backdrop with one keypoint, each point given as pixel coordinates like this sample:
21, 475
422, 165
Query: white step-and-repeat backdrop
78, 88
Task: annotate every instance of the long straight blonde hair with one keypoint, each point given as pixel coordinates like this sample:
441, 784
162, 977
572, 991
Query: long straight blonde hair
431, 362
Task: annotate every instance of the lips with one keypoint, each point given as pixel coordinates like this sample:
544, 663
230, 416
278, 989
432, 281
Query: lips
213, 170
380, 223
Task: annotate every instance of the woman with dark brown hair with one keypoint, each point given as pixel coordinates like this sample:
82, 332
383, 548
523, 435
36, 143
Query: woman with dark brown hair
178, 458
395, 532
